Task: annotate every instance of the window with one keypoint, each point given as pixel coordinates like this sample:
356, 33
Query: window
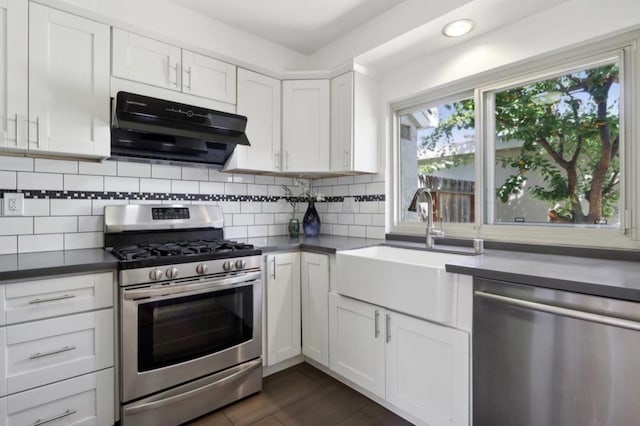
557, 149
437, 152
543, 152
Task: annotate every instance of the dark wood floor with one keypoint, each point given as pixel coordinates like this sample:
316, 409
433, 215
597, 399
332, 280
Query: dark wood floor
303, 395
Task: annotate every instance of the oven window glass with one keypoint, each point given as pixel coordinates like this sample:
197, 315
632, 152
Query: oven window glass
184, 328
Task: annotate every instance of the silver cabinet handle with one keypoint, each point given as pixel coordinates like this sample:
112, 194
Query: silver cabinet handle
388, 323
188, 71
171, 67
66, 413
52, 299
557, 310
276, 159
274, 267
16, 120
286, 160
377, 325
346, 159
56, 351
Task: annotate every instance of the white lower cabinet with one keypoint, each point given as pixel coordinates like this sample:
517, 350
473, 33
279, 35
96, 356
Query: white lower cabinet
314, 280
418, 366
83, 400
283, 307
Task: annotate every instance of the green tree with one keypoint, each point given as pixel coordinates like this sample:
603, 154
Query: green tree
569, 129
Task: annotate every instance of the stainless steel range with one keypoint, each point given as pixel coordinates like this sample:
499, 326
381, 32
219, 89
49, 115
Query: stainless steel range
190, 312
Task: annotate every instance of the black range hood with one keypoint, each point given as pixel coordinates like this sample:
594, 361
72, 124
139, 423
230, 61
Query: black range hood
156, 130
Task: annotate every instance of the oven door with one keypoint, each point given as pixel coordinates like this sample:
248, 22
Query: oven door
181, 330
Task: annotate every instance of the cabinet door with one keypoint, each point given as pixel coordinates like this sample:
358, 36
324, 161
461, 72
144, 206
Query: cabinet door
146, 60
283, 307
55, 349
206, 77
315, 306
357, 342
68, 83
305, 118
341, 122
258, 99
428, 370
13, 74
83, 400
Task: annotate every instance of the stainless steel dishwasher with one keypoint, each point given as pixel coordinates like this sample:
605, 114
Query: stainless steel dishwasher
554, 358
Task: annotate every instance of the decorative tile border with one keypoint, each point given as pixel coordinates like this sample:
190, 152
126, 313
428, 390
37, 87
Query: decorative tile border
161, 196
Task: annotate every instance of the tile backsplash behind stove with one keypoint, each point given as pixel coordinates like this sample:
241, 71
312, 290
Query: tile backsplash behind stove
64, 200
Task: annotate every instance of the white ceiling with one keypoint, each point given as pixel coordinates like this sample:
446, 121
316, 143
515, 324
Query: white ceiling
301, 25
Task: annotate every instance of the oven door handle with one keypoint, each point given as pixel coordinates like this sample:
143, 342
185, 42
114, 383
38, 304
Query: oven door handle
168, 290
243, 371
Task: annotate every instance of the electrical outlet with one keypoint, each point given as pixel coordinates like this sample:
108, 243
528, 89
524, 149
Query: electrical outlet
13, 204
349, 205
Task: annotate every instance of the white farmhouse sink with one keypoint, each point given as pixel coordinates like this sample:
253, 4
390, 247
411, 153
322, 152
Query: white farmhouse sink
406, 280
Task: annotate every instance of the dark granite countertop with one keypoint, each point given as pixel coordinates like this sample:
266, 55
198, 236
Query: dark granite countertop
320, 244
41, 264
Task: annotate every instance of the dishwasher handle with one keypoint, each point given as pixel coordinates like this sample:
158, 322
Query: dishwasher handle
558, 310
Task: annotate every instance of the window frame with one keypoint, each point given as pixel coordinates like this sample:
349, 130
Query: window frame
624, 50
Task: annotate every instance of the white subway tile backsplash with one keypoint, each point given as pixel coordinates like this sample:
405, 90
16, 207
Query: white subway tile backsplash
328, 181
257, 231
264, 219
105, 168
55, 224
368, 206
334, 207
342, 230
235, 232
356, 189
83, 240
346, 219
243, 219
280, 229
376, 232
258, 190
36, 207
230, 206
283, 181
218, 176
362, 219
33, 243
228, 219
195, 173
326, 229
211, 188
377, 220
362, 179
42, 181
16, 225
155, 185
357, 231
136, 202
97, 206
375, 188
130, 169
276, 191
345, 180
166, 171
329, 218
16, 163
83, 183
243, 179
8, 180
55, 166
235, 189
90, 223
185, 187
340, 190
66, 207
121, 184
250, 207
280, 206
264, 180
9, 245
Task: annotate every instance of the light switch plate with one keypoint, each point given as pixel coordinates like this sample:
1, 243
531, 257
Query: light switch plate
13, 204
349, 205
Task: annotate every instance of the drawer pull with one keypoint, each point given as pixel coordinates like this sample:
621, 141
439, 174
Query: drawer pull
52, 299
66, 413
57, 351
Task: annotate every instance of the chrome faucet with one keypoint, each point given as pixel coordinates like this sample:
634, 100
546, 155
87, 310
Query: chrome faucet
420, 198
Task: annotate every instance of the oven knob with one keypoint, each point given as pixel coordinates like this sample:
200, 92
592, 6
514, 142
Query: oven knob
155, 274
202, 268
240, 264
227, 266
172, 272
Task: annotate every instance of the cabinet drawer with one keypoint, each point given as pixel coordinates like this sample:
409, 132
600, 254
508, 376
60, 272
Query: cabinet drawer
42, 352
84, 400
38, 299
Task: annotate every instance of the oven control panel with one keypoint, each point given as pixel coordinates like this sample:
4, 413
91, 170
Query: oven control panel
165, 213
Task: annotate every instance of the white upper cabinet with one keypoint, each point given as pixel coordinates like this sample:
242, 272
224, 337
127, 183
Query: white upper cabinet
305, 118
353, 123
207, 77
13, 74
259, 99
163, 65
68, 84
145, 60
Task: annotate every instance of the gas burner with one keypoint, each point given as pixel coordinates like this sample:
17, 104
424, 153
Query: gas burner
180, 248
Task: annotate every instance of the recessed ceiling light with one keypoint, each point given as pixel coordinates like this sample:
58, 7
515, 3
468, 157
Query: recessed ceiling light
458, 28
